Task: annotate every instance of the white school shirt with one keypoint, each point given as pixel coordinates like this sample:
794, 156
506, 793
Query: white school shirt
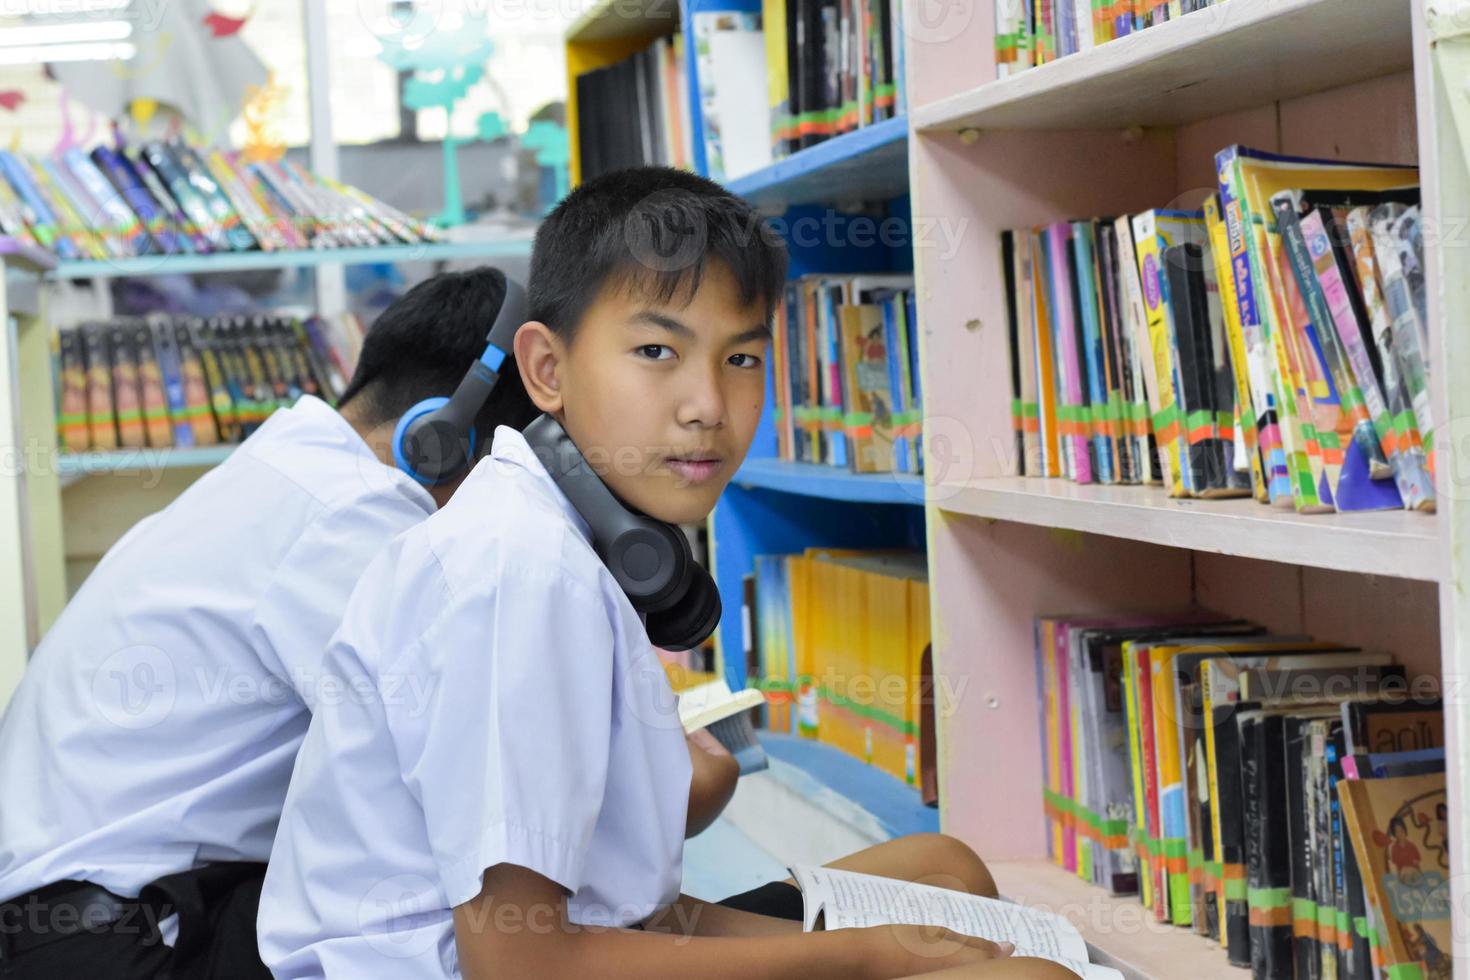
502, 704
155, 728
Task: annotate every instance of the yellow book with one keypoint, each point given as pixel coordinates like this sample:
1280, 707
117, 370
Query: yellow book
919, 638
778, 82
1153, 232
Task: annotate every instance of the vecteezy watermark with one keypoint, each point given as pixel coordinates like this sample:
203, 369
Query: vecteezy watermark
139, 687
41, 917
135, 687
144, 15
937, 21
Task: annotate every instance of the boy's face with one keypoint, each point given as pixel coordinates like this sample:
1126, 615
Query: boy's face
664, 399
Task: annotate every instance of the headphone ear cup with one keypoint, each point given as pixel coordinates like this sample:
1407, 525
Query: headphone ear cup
651, 562
428, 446
690, 621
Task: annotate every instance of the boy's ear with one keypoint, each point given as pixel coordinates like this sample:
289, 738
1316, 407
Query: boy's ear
539, 353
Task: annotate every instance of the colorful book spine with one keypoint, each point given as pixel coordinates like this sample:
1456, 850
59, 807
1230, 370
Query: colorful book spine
118, 217
1093, 355
1073, 412
37, 212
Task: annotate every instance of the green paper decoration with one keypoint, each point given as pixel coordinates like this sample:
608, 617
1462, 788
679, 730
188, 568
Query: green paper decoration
553, 149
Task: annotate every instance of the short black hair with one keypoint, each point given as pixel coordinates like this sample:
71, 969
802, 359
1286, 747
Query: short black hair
422, 345
652, 229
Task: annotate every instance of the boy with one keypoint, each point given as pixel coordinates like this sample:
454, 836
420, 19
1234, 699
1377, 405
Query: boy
526, 817
147, 750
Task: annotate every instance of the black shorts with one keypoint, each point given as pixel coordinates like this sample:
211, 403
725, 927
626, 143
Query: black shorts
778, 899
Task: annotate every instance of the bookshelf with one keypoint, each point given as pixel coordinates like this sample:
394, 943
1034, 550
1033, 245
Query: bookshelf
71, 467
159, 265
830, 483
1130, 125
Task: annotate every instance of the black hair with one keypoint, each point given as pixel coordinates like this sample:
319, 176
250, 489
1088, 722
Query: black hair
651, 229
422, 345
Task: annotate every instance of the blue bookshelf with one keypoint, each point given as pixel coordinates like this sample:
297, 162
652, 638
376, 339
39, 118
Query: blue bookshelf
867, 164
831, 483
158, 265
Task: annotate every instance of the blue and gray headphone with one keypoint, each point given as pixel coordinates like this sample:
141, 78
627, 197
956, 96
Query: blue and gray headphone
651, 560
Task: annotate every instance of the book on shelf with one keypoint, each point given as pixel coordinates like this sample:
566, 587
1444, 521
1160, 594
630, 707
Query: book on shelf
840, 635
177, 381
837, 899
730, 63
1268, 345
172, 198
832, 66
1198, 761
635, 111
846, 374
1035, 32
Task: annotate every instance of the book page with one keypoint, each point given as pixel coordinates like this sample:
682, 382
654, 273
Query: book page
849, 900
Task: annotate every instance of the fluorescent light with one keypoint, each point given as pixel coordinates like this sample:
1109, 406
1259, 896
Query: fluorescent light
39, 53
78, 32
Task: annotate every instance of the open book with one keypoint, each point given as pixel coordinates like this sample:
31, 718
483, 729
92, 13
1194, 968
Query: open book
847, 900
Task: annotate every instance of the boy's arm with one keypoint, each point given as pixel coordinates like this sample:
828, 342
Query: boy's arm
517, 927
712, 783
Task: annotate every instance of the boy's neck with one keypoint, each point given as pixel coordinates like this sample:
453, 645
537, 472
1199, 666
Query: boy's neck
379, 438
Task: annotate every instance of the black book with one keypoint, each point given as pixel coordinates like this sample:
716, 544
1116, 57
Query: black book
1235, 925
1207, 456
1398, 725
1008, 263
1106, 276
794, 94
1268, 860
1304, 922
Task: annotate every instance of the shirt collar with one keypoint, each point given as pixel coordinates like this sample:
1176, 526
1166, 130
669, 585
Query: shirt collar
313, 411
510, 446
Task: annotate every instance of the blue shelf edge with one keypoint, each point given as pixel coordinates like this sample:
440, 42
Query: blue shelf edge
76, 465
828, 482
894, 804
814, 160
157, 265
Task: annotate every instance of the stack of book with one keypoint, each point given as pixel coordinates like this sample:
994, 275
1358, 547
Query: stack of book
164, 381
1034, 32
635, 112
832, 66
1271, 344
1209, 767
846, 373
839, 637
171, 198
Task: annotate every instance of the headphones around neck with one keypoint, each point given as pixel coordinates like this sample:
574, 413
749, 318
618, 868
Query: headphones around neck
650, 559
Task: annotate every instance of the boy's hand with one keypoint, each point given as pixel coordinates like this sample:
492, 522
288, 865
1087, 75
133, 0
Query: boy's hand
712, 783
904, 951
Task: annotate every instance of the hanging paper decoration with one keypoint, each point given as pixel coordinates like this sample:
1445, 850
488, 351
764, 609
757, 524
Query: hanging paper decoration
549, 140
490, 127
223, 25
11, 99
263, 112
446, 64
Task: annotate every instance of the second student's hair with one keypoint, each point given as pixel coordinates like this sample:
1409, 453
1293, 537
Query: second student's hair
421, 346
653, 229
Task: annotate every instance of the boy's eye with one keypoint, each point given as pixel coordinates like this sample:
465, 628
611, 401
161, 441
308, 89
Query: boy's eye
656, 352
745, 360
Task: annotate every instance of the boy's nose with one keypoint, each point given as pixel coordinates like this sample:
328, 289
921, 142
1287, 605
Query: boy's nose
703, 403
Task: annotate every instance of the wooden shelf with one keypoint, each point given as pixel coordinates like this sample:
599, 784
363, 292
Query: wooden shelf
1396, 543
831, 483
1234, 55
71, 467
611, 20
158, 265
867, 164
1120, 931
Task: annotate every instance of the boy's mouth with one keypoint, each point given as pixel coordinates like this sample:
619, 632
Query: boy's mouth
695, 467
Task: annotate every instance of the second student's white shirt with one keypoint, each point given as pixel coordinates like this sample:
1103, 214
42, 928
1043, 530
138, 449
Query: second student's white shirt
513, 711
155, 728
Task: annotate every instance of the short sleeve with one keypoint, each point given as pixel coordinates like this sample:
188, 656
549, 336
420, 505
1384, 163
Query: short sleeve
508, 753
308, 594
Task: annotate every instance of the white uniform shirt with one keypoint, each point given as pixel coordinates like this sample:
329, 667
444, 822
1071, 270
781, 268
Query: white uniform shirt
155, 728
507, 707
